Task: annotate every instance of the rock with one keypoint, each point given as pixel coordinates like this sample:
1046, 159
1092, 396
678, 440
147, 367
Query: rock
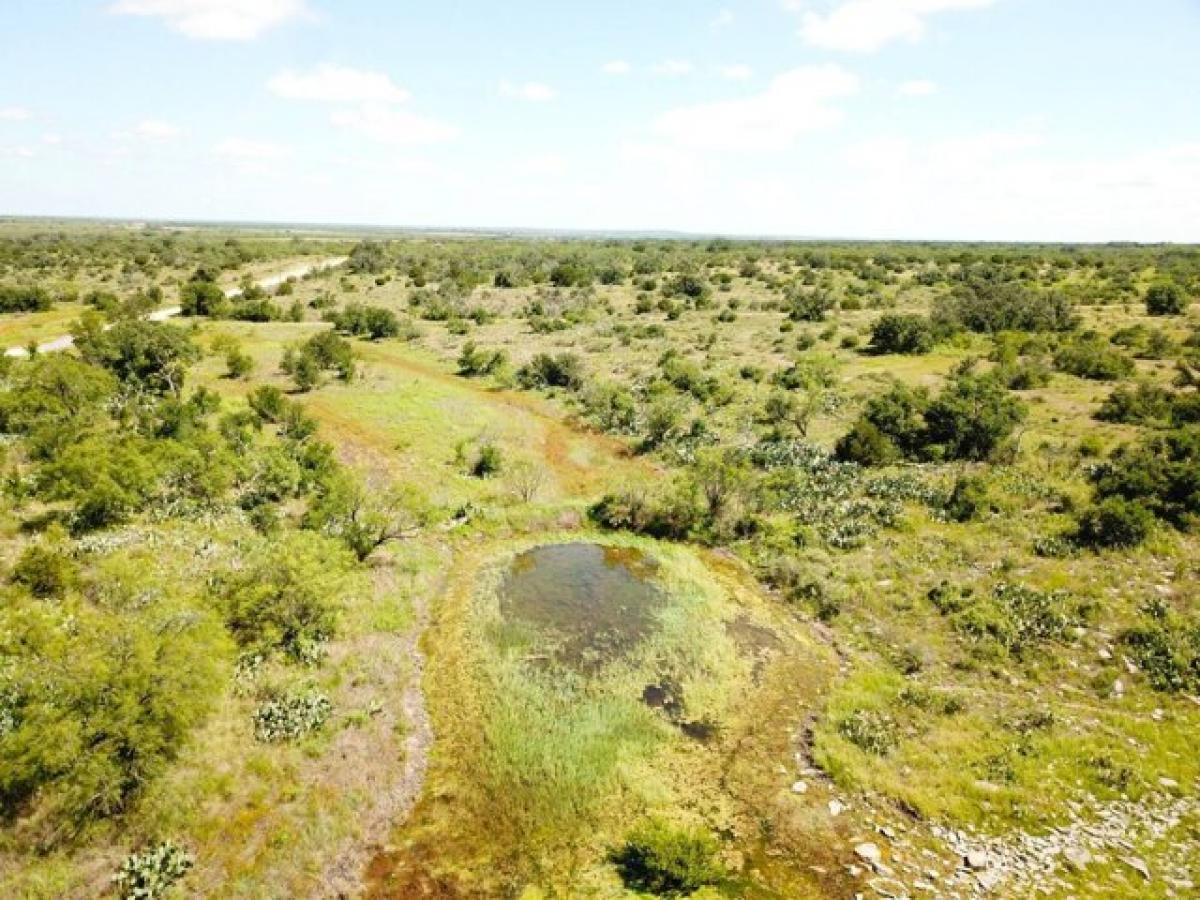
1118, 688
888, 887
977, 859
988, 880
1169, 783
799, 787
1104, 653
868, 852
836, 807
889, 833
1077, 857
1138, 865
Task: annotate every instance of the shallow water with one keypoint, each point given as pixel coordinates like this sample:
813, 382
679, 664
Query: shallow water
594, 603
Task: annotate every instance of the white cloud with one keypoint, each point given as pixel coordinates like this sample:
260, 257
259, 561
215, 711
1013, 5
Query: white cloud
530, 91
246, 150
918, 87
369, 104
156, 130
864, 26
662, 164
218, 20
617, 67
15, 114
795, 102
543, 165
737, 72
390, 125
51, 139
723, 19
1010, 185
673, 67
17, 152
329, 83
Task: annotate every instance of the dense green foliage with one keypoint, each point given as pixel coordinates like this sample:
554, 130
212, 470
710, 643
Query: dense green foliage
993, 304
900, 333
665, 861
1165, 298
1161, 473
24, 298
968, 420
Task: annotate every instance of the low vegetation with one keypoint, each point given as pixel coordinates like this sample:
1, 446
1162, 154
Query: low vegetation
921, 519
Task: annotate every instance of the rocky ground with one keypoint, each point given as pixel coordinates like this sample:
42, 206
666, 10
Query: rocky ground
1115, 837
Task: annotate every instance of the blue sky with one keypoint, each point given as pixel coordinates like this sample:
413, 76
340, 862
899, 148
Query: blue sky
957, 119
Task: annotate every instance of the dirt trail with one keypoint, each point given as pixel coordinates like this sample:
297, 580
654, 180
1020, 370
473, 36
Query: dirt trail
393, 797
576, 476
65, 342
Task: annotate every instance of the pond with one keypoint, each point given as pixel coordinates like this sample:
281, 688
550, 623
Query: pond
593, 603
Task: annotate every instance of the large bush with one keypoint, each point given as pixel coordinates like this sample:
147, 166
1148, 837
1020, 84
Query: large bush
1161, 473
371, 322
325, 351
902, 333
564, 370
991, 306
24, 298
1093, 358
99, 699
1141, 404
1166, 647
203, 298
666, 861
143, 355
287, 596
1165, 298
968, 420
1114, 522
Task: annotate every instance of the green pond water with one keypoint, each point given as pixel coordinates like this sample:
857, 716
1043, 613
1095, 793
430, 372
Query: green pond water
592, 603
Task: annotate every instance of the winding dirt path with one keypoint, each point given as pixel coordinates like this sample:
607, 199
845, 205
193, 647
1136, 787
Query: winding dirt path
65, 342
394, 798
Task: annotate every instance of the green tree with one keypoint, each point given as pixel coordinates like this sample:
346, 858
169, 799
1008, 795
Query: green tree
902, 333
287, 596
104, 697
143, 355
1165, 298
367, 520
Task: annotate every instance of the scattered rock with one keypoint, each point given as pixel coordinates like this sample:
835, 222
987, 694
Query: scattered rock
990, 879
836, 807
977, 859
868, 852
1138, 865
888, 887
799, 787
1077, 858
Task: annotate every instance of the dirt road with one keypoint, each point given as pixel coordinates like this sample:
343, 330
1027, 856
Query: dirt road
161, 315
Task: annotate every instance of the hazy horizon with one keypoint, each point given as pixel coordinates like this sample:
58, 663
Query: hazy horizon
954, 120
